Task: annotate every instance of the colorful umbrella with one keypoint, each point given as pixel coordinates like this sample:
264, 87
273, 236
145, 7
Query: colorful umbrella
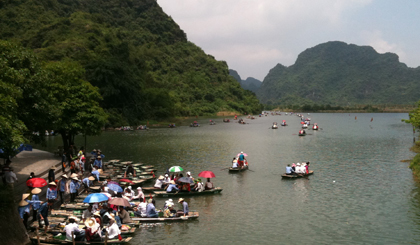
119, 201
175, 169
113, 182
96, 197
206, 174
242, 153
36, 182
185, 180
115, 188
127, 181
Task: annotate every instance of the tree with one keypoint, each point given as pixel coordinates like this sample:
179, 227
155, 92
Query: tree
414, 116
77, 102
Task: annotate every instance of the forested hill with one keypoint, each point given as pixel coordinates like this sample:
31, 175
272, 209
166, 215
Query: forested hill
250, 83
336, 73
136, 54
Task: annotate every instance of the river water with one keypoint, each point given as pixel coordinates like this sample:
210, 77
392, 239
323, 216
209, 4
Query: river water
360, 193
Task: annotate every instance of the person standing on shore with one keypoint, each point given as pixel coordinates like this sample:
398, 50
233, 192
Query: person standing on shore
51, 174
63, 162
51, 194
24, 209
62, 187
10, 177
74, 186
36, 205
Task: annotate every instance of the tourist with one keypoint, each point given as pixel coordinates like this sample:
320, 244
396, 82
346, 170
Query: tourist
93, 230
10, 177
128, 194
74, 187
184, 204
289, 170
37, 204
294, 167
107, 215
166, 181
73, 227
151, 210
307, 167
140, 194
241, 159
82, 163
190, 176
172, 187
169, 212
51, 194
159, 182
72, 166
113, 230
87, 213
97, 216
141, 209
124, 216
234, 163
209, 185
199, 185
51, 174
129, 170
43, 216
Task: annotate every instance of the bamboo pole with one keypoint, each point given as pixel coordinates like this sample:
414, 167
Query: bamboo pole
37, 235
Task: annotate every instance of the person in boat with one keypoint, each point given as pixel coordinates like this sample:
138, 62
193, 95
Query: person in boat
124, 216
294, 167
185, 187
141, 209
140, 194
73, 227
159, 182
289, 170
167, 202
128, 195
51, 194
93, 230
87, 182
184, 204
209, 185
129, 169
234, 163
241, 159
113, 229
169, 212
190, 176
98, 218
172, 187
151, 210
87, 213
166, 181
307, 167
199, 186
95, 173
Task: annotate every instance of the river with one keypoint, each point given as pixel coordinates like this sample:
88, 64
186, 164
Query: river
360, 193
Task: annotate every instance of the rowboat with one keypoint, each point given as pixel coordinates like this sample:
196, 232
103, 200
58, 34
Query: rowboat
285, 176
191, 193
151, 189
51, 240
237, 170
189, 217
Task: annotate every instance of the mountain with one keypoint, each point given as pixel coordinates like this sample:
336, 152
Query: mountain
250, 83
137, 56
337, 73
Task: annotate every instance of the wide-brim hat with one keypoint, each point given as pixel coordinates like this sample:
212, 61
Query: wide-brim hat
94, 150
75, 178
161, 177
181, 199
52, 183
100, 171
53, 167
91, 222
112, 217
73, 218
97, 213
73, 175
166, 175
91, 178
99, 157
23, 203
36, 191
188, 173
150, 200
64, 176
172, 182
26, 195
139, 188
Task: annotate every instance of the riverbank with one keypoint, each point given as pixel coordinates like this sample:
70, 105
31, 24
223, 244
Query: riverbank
415, 163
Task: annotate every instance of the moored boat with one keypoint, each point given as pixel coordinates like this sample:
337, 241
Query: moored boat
283, 123
51, 240
274, 126
191, 193
191, 216
294, 176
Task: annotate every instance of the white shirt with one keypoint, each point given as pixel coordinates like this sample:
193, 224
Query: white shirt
140, 195
158, 183
10, 177
235, 164
86, 214
166, 180
142, 208
113, 231
72, 227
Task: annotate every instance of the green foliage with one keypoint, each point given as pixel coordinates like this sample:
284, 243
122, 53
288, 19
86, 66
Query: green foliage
414, 117
339, 74
134, 53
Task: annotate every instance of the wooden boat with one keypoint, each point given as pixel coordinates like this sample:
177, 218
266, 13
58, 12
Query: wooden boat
286, 176
147, 167
237, 170
191, 216
226, 120
150, 189
302, 133
275, 126
191, 193
51, 240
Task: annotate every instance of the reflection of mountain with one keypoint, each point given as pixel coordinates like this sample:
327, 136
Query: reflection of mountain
250, 83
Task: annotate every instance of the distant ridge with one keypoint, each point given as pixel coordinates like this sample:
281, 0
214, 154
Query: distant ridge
250, 83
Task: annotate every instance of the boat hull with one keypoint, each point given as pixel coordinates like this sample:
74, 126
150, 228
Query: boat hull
190, 217
285, 176
237, 170
192, 193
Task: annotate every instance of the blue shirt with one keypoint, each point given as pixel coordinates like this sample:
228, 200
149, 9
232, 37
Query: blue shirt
241, 157
96, 173
171, 187
43, 210
74, 186
289, 170
98, 163
86, 181
51, 194
23, 210
63, 185
185, 207
35, 200
150, 209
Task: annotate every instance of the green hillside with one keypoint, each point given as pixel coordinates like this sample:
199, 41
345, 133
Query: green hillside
250, 83
132, 51
336, 73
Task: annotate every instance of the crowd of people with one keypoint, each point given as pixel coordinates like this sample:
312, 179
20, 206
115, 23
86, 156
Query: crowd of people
178, 183
298, 168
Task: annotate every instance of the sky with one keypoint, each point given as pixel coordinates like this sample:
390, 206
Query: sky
253, 36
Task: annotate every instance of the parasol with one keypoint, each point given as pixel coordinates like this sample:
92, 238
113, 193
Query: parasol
36, 182
119, 201
175, 169
96, 197
206, 174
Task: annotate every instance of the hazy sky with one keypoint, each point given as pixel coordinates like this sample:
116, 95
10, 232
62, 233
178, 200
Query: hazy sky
252, 36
